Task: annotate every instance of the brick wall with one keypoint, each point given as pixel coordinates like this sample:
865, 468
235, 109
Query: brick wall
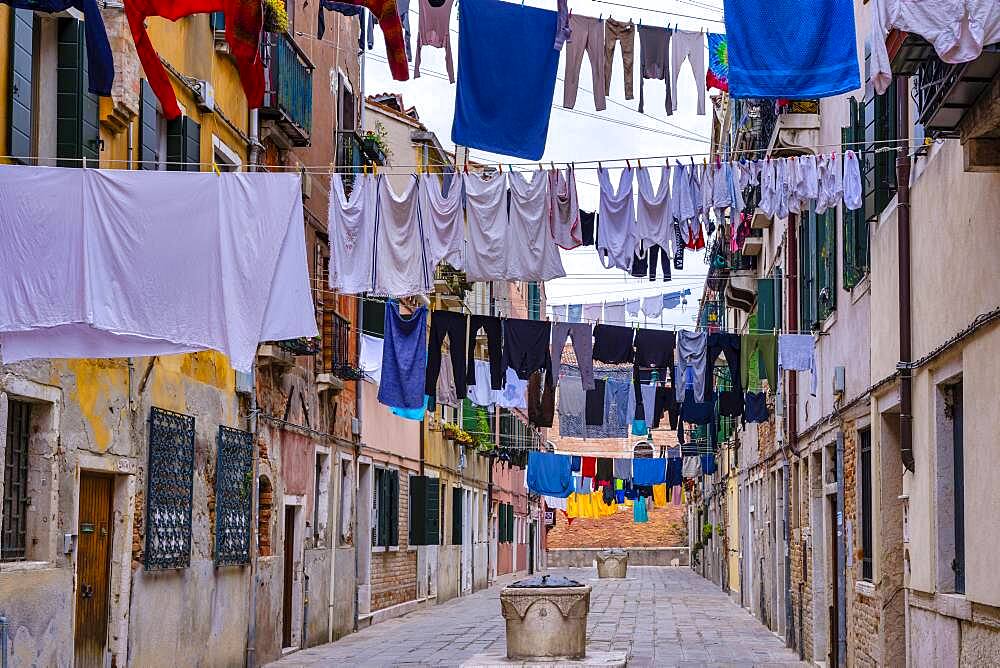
394, 572
666, 528
862, 610
801, 566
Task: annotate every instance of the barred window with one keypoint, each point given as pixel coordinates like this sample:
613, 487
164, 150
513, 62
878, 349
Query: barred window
233, 492
169, 481
15, 483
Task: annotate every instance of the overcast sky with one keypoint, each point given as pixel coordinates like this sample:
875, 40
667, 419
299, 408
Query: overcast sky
618, 132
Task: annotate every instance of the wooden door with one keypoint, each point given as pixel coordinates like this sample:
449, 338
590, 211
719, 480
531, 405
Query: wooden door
93, 570
834, 588
289, 564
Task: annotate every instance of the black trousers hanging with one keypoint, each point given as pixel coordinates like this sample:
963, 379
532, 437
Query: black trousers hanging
453, 326
494, 335
728, 345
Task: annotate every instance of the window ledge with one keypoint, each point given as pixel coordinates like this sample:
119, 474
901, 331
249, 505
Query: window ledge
21, 566
865, 588
829, 322
861, 288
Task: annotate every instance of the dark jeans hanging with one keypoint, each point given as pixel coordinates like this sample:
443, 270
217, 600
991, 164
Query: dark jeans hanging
492, 326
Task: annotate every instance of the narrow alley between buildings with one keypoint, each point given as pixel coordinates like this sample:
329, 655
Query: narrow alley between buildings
663, 616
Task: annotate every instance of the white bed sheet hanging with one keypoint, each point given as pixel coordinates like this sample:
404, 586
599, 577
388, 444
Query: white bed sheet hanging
119, 263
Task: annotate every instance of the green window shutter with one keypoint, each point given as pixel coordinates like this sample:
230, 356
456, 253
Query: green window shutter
885, 163
807, 287
502, 524
826, 264
21, 131
765, 303
183, 145
778, 304
149, 129
77, 130
456, 516
418, 501
470, 415
432, 504
393, 507
534, 301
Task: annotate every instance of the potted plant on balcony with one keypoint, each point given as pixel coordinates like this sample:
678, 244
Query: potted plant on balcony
304, 345
376, 144
275, 16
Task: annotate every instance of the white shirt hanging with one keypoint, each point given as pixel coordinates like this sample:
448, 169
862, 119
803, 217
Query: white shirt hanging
444, 221
616, 235
681, 194
486, 210
351, 227
532, 254
481, 392
593, 313
402, 263
564, 209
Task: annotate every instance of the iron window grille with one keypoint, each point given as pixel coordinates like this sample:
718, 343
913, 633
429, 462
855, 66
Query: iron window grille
233, 492
170, 478
13, 546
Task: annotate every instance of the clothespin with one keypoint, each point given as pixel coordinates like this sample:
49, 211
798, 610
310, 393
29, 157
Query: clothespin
500, 167
218, 172
553, 164
466, 163
599, 166
628, 164
638, 162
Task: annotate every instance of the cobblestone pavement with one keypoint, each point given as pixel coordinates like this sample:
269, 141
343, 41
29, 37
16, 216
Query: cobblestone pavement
664, 616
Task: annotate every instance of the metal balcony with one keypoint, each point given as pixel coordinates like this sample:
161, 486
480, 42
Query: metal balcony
946, 93
287, 87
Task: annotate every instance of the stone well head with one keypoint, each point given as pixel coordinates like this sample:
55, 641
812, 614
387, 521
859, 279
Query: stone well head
546, 618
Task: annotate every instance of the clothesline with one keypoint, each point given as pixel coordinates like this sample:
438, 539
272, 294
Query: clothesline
661, 11
608, 119
408, 170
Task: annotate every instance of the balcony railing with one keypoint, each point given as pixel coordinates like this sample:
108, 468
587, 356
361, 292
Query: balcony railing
944, 92
287, 87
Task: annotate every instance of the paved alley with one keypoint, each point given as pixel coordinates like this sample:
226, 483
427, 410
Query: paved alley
664, 616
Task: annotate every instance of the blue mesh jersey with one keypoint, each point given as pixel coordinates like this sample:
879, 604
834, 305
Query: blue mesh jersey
797, 49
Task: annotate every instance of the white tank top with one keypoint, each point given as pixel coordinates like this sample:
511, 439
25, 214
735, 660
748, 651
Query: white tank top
486, 237
402, 264
444, 223
532, 254
351, 225
616, 239
654, 218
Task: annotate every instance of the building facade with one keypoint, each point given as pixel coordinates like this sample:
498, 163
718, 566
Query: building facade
850, 505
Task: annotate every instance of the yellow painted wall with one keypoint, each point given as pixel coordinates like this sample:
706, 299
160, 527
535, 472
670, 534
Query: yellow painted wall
4, 77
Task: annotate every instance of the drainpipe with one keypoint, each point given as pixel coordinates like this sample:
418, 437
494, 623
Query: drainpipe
903, 250
254, 509
254, 141
841, 558
358, 404
791, 408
